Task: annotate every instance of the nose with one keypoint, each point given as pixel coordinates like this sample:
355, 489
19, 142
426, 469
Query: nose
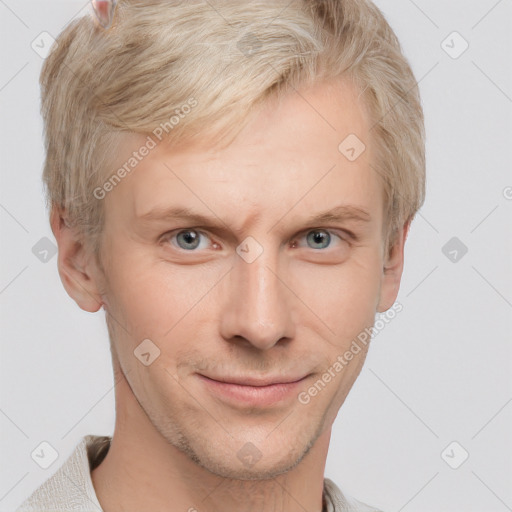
258, 307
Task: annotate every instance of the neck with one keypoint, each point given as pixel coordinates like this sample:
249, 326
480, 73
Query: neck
143, 471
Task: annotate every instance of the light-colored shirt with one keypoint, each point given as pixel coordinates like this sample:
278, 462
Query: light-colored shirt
70, 488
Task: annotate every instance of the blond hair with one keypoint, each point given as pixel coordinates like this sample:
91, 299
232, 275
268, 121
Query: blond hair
228, 56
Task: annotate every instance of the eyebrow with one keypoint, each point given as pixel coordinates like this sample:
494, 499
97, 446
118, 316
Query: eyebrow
337, 214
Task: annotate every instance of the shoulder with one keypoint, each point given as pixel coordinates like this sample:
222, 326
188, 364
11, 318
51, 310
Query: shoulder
342, 502
69, 488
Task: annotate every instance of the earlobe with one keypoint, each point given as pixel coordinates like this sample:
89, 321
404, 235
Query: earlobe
76, 269
392, 270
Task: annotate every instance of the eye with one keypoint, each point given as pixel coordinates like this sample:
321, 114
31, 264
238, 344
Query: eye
187, 239
194, 240
320, 238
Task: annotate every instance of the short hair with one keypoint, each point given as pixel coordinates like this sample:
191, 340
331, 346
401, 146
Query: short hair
200, 67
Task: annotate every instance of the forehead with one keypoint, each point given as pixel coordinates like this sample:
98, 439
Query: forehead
294, 154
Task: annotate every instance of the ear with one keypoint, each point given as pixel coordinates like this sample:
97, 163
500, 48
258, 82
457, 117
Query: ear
392, 270
77, 268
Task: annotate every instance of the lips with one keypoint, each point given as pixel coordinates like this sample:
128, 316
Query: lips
256, 381
259, 392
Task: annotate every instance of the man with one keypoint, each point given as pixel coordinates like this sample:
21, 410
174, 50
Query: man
233, 182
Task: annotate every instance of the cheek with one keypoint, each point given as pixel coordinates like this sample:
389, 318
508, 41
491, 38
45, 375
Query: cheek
343, 298
154, 298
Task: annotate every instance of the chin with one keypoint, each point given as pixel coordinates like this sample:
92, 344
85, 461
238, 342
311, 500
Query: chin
239, 459
261, 470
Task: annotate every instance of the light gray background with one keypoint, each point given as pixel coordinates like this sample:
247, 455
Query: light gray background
440, 372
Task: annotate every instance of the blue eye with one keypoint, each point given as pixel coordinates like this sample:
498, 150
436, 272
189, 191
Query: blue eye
320, 239
190, 239
319, 236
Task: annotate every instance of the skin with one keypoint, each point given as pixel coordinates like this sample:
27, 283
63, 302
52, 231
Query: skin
292, 311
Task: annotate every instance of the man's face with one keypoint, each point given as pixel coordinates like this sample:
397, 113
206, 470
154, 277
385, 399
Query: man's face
258, 291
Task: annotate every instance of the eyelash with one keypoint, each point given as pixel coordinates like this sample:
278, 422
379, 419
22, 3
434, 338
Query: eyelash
171, 234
